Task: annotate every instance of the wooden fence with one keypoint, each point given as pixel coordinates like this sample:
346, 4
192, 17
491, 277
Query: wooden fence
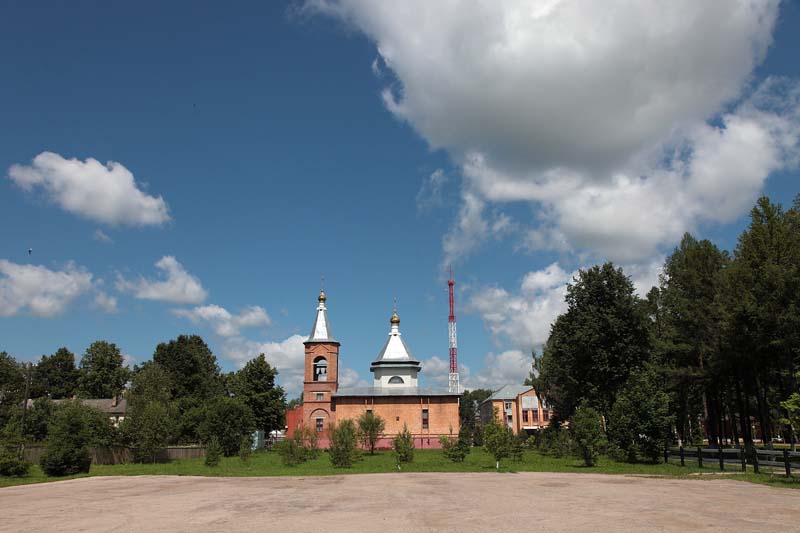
117, 455
738, 457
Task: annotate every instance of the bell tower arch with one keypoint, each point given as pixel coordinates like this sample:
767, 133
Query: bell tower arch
321, 376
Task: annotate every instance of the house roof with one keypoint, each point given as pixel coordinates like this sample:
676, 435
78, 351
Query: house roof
106, 405
392, 391
508, 392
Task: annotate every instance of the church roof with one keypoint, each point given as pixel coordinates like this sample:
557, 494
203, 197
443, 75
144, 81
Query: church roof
321, 330
393, 391
394, 351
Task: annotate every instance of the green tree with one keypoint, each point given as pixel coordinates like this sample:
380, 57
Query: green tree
588, 433
12, 386
763, 302
640, 419
255, 386
597, 343
468, 407
456, 448
792, 408
370, 428
102, 371
37, 420
403, 446
150, 428
690, 323
227, 420
151, 421
75, 429
193, 370
498, 440
213, 452
343, 449
55, 376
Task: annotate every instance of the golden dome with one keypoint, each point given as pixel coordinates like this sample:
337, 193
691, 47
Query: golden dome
322, 297
395, 320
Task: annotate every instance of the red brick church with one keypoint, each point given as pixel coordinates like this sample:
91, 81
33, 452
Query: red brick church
394, 395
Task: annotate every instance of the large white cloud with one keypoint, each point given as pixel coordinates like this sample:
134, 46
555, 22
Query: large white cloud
176, 284
617, 121
510, 367
288, 356
222, 321
105, 193
523, 319
39, 291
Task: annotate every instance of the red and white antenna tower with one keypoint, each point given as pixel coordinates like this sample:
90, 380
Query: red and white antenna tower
453, 385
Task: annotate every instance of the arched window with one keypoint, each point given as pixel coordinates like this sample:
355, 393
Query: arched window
396, 380
320, 369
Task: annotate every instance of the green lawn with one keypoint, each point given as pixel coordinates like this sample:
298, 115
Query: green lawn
269, 464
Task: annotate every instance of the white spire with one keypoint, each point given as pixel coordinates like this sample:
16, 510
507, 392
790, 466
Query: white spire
321, 331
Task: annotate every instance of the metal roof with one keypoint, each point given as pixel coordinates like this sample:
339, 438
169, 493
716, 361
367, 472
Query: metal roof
392, 391
508, 392
394, 351
321, 330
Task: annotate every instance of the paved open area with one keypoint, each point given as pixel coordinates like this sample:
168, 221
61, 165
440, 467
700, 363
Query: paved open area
399, 502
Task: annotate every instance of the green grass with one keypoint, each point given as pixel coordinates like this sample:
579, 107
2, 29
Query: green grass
269, 464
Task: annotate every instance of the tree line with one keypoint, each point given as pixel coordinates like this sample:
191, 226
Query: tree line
180, 396
711, 353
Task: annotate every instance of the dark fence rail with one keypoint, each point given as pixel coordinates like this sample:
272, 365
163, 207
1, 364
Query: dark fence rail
120, 454
735, 456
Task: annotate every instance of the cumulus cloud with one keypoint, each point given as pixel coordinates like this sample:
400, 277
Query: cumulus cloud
523, 319
39, 291
509, 367
106, 302
104, 193
350, 378
176, 284
623, 124
222, 322
287, 355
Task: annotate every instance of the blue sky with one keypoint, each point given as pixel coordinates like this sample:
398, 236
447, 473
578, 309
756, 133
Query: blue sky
261, 146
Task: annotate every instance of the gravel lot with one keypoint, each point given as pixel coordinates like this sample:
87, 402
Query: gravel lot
398, 502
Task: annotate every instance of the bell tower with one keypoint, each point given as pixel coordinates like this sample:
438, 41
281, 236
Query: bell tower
321, 377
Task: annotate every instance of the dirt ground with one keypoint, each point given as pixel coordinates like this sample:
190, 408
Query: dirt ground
398, 502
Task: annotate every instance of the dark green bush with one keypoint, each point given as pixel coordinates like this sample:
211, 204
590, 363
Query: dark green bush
12, 466
65, 460
587, 431
213, 452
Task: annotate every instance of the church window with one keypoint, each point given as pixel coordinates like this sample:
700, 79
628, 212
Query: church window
320, 396
320, 424
535, 415
396, 380
320, 369
424, 419
508, 406
525, 416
